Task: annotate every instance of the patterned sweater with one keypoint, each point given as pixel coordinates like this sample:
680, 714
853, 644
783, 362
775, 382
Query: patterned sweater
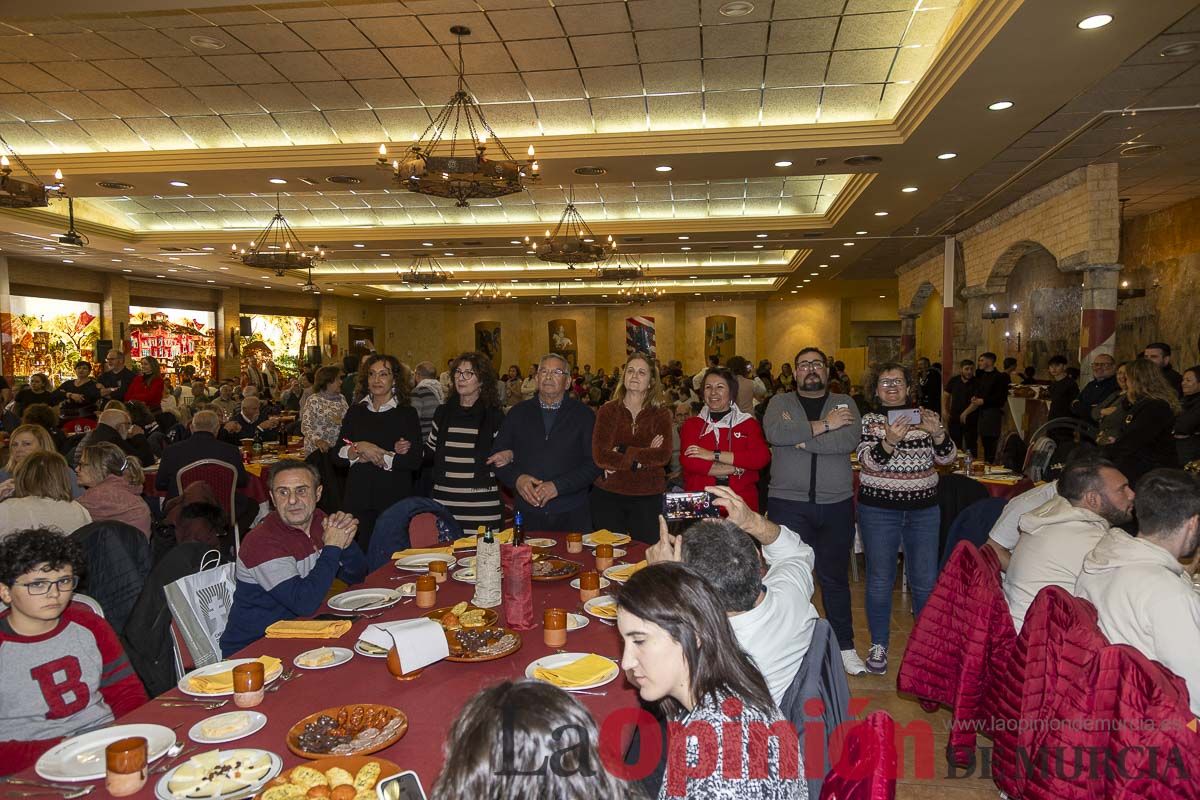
73, 679
906, 479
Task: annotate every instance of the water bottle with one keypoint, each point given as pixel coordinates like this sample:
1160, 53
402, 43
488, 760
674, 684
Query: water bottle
518, 529
967, 463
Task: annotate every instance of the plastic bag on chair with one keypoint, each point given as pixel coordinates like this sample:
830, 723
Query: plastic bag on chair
200, 605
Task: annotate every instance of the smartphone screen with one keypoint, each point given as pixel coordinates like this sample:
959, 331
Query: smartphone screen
405, 786
689, 505
910, 415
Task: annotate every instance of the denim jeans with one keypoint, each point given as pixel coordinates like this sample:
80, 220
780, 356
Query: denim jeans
883, 531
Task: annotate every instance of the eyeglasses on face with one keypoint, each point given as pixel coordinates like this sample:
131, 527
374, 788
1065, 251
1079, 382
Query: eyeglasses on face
380, 373
809, 366
557, 372
37, 587
891, 383
465, 374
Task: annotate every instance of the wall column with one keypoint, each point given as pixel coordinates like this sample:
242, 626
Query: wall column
229, 312
908, 337
6, 343
948, 283
1098, 320
114, 312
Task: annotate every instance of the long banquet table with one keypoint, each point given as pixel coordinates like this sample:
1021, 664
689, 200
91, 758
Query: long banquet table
431, 701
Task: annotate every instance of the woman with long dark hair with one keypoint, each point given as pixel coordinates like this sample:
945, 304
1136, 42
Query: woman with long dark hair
1145, 441
632, 443
460, 442
1187, 426
505, 738
381, 436
148, 386
680, 652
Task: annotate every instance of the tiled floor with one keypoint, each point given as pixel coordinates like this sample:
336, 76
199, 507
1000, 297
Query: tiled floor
923, 772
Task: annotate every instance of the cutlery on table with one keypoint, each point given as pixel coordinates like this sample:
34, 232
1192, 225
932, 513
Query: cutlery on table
580, 691
175, 754
208, 706
42, 784
39, 791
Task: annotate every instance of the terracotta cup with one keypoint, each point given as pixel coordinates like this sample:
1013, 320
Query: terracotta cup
574, 542
125, 766
249, 681
604, 556
426, 591
589, 585
438, 570
554, 627
393, 665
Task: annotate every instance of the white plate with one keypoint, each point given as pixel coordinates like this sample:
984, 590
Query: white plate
81, 758
624, 539
213, 669
254, 723
420, 563
464, 575
540, 542
162, 793
340, 656
598, 601
468, 562
365, 600
576, 621
558, 659
614, 568
410, 589
358, 649
604, 583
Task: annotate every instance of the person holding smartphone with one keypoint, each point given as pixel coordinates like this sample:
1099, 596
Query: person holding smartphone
897, 499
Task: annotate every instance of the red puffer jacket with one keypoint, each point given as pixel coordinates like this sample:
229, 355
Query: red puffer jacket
1159, 753
962, 639
867, 769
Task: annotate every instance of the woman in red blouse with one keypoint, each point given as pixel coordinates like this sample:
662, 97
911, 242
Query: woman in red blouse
148, 386
723, 444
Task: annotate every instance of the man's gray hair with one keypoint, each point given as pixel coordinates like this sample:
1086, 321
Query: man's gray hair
566, 364
206, 420
290, 464
250, 391
425, 370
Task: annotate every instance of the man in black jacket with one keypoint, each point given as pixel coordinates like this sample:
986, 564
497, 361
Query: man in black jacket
1160, 354
116, 378
202, 444
1102, 386
114, 427
991, 398
544, 451
249, 423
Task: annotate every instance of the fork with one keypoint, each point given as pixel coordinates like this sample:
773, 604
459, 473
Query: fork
42, 784
170, 762
206, 706
38, 791
284, 678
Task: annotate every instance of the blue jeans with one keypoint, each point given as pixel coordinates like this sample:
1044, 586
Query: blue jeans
883, 530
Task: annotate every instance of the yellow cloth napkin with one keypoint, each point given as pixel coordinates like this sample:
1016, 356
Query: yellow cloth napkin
469, 542
255, 469
606, 610
308, 629
622, 574
580, 672
608, 537
422, 551
223, 681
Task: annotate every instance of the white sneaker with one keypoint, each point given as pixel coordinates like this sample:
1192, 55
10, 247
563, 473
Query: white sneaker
853, 664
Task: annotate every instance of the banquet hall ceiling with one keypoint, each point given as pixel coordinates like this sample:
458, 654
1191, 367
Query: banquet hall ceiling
226, 98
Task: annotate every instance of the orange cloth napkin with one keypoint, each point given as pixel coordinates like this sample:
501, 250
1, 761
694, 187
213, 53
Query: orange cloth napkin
308, 629
580, 672
422, 551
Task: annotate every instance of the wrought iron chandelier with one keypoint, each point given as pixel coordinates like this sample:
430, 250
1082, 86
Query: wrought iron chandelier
425, 271
427, 167
622, 268
278, 248
19, 192
642, 291
486, 293
572, 241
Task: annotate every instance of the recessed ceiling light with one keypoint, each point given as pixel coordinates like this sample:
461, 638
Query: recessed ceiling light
209, 280
808, 280
224, 268
1181, 49
589, 240
683, 238
814, 274
909, 189
882, 296
128, 249
385, 255
208, 248
514, 241
1001, 105
947, 156
758, 247
120, 186
663, 168
860, 233
736, 8
264, 277
126, 270
696, 293
160, 276
760, 236
1094, 21
426, 244
685, 248
68, 261
180, 184
447, 253
266, 287
822, 266
745, 276
794, 291
579, 279
835, 255
172, 270
783, 163
693, 277
277, 181
115, 260
356, 294
881, 213
359, 244
207, 42
847, 244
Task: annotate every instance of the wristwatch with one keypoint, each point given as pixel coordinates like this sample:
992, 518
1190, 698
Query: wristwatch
716, 455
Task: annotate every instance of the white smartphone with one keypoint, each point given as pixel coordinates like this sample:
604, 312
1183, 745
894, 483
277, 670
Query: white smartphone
840, 406
910, 415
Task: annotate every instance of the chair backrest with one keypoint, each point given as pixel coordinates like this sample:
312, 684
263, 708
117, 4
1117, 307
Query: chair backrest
822, 679
72, 427
221, 477
868, 766
118, 560
422, 530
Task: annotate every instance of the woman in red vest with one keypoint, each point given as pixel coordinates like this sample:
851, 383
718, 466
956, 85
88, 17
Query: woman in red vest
148, 386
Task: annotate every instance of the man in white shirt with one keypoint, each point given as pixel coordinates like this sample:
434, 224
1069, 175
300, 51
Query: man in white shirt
772, 616
1003, 536
1093, 496
1143, 595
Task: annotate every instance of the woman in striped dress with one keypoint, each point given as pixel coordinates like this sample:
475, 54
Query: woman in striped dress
461, 440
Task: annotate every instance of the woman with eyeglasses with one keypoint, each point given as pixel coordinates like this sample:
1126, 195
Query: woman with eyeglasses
632, 444
381, 440
42, 497
114, 483
902, 445
460, 443
723, 444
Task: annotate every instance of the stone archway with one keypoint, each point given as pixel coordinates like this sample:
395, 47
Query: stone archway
997, 280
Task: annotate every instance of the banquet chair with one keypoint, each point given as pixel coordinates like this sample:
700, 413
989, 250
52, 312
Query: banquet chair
222, 478
819, 693
868, 766
422, 530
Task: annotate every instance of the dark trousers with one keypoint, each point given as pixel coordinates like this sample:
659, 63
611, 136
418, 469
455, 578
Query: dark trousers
965, 437
577, 520
636, 515
829, 531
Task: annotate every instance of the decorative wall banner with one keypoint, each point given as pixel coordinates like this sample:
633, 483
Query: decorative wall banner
176, 337
48, 336
563, 339
720, 337
487, 341
639, 335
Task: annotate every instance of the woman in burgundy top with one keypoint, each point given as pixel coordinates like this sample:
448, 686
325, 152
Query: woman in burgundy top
632, 444
148, 386
723, 444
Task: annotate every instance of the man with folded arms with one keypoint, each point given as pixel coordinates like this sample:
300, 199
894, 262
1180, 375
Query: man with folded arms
1142, 593
64, 669
1093, 496
772, 616
287, 564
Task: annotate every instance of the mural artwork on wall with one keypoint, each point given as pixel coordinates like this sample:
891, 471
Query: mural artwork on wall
720, 337
639, 335
487, 341
881, 349
44, 335
277, 340
563, 339
177, 338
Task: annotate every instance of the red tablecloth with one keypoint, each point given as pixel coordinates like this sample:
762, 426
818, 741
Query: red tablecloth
432, 701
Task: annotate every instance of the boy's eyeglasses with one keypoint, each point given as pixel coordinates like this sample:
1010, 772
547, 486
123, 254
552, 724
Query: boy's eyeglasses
67, 584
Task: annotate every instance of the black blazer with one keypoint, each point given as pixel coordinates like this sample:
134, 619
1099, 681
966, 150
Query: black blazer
133, 446
200, 445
